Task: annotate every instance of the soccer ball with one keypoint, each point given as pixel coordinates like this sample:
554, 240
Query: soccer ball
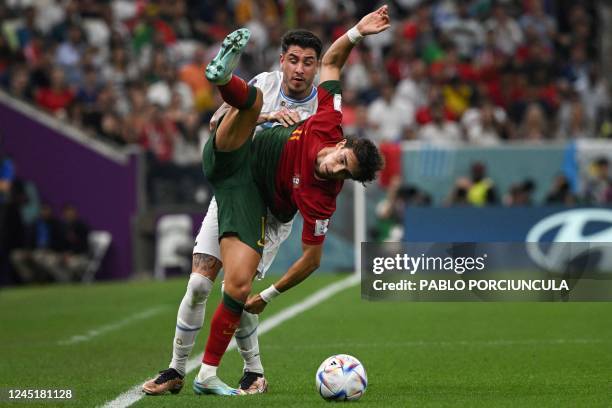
341, 377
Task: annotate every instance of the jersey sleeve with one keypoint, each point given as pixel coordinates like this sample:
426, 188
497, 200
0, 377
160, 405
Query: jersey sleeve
316, 211
259, 80
266, 82
329, 97
326, 123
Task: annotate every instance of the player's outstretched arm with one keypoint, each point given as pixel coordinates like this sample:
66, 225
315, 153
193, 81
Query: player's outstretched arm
338, 52
300, 270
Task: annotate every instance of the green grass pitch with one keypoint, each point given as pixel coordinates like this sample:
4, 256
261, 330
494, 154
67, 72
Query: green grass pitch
415, 354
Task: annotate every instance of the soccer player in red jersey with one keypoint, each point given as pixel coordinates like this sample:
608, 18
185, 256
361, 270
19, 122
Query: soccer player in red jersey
302, 167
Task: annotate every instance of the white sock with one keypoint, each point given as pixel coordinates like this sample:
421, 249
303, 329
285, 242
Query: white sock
248, 343
206, 371
189, 320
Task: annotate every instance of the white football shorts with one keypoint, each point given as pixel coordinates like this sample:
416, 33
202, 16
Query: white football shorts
207, 240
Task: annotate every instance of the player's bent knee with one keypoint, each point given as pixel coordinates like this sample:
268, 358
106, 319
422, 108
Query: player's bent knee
199, 287
239, 291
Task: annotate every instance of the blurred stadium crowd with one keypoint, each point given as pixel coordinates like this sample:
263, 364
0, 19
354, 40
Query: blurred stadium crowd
479, 71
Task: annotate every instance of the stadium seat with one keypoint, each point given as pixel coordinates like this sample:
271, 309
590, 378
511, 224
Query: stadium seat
99, 242
174, 242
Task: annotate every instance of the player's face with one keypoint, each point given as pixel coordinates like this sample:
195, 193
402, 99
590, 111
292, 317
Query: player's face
299, 66
336, 163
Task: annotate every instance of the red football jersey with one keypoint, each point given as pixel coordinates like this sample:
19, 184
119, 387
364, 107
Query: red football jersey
296, 186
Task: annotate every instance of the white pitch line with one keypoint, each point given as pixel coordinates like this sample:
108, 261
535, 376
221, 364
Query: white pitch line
79, 338
135, 393
447, 343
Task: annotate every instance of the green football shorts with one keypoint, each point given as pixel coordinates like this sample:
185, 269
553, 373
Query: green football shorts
242, 210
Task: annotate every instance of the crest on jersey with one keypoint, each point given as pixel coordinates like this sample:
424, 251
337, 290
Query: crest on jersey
321, 227
296, 180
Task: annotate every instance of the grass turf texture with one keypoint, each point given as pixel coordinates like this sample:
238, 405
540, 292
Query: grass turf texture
415, 354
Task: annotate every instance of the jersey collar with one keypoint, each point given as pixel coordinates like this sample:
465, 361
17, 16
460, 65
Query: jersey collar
313, 93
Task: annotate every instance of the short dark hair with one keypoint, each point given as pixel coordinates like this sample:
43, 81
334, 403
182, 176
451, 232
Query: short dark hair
368, 156
303, 39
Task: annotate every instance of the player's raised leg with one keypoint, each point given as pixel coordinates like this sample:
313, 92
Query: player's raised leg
238, 124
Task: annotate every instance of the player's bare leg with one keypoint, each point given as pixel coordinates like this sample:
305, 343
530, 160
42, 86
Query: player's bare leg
246, 101
189, 320
240, 264
238, 125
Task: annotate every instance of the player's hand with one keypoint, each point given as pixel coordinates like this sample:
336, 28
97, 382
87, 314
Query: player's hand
285, 117
223, 109
255, 304
375, 22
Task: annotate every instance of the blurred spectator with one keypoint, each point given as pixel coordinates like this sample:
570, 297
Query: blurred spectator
414, 88
70, 52
12, 227
534, 126
596, 98
358, 69
159, 135
507, 33
458, 196
390, 211
481, 191
485, 126
88, 92
74, 246
598, 187
464, 31
161, 91
388, 116
7, 176
440, 130
120, 71
434, 100
57, 96
41, 250
359, 127
535, 19
110, 128
560, 192
605, 129
19, 86
191, 74
519, 194
577, 69
573, 122
27, 30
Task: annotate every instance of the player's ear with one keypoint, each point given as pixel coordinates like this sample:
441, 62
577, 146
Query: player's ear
341, 144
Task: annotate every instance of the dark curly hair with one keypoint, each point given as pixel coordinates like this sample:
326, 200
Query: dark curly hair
368, 156
303, 39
